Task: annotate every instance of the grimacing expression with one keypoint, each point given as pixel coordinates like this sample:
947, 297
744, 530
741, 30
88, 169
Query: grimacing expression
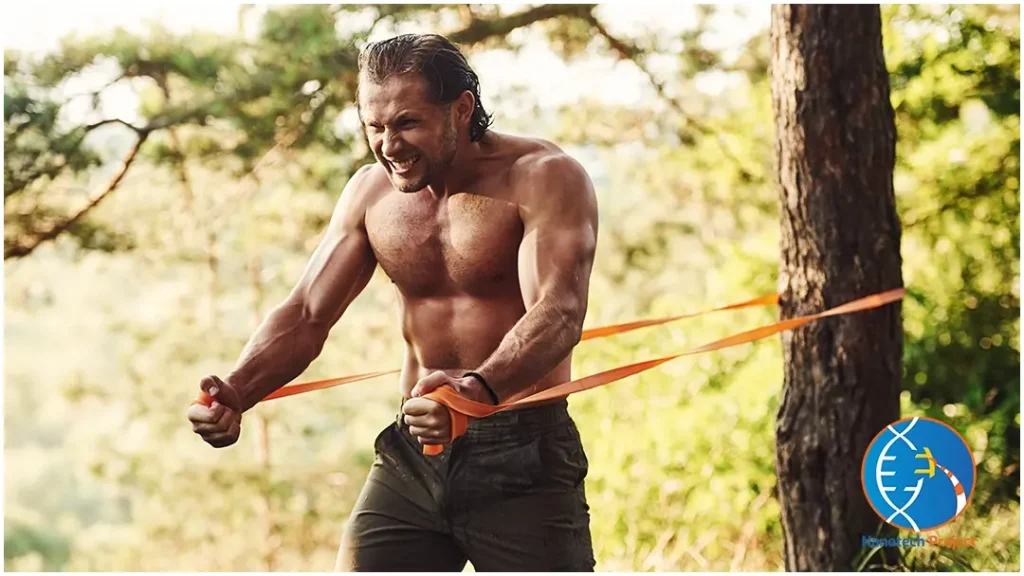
412, 138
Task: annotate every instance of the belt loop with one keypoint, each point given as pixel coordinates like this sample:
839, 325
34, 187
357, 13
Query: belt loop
399, 421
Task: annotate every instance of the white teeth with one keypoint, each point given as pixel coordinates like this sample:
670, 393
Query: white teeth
405, 165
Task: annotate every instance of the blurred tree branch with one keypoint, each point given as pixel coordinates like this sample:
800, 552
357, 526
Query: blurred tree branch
480, 29
266, 97
635, 55
25, 246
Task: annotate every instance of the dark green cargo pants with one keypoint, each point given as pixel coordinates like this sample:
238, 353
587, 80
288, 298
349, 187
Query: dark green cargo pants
506, 496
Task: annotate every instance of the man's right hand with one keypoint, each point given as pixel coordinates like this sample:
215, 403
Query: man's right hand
218, 422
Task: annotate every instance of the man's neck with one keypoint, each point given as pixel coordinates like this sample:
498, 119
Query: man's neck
459, 173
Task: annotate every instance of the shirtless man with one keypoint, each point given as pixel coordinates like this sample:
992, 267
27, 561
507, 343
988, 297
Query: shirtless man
489, 240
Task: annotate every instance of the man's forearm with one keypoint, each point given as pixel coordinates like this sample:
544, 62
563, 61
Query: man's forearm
542, 338
284, 345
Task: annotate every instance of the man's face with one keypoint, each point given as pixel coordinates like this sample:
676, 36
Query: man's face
412, 138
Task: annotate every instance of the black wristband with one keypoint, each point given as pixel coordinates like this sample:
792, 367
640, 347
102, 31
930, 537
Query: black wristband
487, 387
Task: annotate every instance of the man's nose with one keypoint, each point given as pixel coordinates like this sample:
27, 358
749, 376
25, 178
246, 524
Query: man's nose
392, 144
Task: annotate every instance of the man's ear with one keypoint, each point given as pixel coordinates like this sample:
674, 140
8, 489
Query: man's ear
464, 106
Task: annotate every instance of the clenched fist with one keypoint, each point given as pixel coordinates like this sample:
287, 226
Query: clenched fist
217, 415
430, 421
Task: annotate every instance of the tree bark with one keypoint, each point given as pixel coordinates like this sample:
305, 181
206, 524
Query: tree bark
835, 151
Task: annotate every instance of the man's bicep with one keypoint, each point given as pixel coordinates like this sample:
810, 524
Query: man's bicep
560, 231
343, 261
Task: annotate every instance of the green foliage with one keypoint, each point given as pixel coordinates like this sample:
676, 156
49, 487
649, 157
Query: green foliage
34, 545
108, 329
221, 101
956, 92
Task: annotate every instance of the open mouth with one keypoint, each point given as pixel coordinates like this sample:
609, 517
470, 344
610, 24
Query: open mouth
405, 165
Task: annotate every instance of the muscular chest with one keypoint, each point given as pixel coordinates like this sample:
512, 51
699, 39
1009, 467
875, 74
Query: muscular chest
468, 242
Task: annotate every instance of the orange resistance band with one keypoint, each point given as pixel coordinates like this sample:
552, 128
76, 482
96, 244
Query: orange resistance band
462, 409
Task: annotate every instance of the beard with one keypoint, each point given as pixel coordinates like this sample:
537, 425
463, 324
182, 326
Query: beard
432, 168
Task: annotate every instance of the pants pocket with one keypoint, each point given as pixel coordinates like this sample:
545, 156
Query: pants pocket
385, 440
563, 463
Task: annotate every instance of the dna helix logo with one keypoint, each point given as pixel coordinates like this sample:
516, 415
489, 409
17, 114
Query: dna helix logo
918, 474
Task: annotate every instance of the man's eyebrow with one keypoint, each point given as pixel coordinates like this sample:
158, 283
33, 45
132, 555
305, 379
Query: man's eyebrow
360, 113
402, 115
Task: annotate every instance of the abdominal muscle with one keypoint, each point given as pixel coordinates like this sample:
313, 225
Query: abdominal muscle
455, 334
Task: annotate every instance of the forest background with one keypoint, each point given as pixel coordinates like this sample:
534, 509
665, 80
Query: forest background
239, 140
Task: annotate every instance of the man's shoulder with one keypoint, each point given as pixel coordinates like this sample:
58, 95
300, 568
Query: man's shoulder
542, 166
525, 149
363, 189
534, 160
366, 184
548, 184
370, 177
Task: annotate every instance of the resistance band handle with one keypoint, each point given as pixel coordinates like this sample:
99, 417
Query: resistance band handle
203, 398
459, 423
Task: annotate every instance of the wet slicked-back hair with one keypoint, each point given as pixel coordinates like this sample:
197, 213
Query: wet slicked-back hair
437, 60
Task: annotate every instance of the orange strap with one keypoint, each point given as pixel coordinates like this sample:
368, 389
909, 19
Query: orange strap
462, 409
589, 334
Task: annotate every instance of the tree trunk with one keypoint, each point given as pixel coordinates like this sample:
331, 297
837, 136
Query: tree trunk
840, 241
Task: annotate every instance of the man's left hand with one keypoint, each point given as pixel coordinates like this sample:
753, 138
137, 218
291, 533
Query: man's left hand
429, 421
